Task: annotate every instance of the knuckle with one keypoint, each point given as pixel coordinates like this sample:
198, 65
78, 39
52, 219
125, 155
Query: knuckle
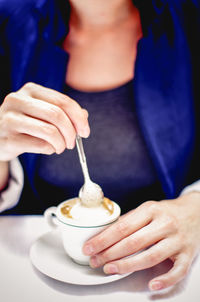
124, 267
186, 261
181, 242
104, 257
99, 242
71, 105
137, 241
12, 97
132, 243
45, 147
9, 118
153, 207
153, 258
83, 117
52, 135
129, 245
29, 86
85, 113
171, 223
66, 102
149, 203
55, 113
72, 137
184, 271
9, 96
50, 130
122, 227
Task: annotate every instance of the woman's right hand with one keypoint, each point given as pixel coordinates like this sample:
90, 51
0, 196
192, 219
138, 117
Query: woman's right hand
36, 119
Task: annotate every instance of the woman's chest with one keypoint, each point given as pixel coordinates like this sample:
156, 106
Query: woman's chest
101, 60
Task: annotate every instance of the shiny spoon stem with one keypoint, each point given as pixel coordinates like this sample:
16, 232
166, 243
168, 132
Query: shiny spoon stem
82, 158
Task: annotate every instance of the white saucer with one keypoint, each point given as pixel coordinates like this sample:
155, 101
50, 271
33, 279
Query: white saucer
48, 256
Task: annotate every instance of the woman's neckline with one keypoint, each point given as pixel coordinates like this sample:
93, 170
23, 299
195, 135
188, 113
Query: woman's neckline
68, 88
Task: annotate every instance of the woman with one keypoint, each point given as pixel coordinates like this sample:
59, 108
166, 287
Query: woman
129, 64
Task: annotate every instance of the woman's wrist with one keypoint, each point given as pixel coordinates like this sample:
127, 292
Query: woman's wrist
191, 194
4, 174
195, 186
191, 199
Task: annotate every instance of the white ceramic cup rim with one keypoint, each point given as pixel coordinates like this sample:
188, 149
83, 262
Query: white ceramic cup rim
74, 223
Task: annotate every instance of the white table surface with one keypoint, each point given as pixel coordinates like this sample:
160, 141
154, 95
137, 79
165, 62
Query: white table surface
20, 281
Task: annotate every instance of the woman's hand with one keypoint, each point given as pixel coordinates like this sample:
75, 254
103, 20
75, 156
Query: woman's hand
158, 231
39, 120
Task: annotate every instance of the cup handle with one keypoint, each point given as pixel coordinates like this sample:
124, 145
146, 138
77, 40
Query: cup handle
50, 217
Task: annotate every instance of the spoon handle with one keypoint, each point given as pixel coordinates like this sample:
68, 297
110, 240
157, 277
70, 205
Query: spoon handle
82, 157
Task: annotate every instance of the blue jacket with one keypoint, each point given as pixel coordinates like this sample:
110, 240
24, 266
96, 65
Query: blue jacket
166, 76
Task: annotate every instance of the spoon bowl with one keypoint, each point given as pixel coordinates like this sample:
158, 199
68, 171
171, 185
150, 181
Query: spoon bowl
91, 194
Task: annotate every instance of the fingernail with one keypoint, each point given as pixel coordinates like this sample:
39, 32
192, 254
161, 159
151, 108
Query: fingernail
94, 261
88, 249
156, 285
71, 145
85, 132
110, 269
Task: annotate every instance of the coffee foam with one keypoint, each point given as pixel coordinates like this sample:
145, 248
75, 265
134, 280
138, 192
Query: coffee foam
74, 212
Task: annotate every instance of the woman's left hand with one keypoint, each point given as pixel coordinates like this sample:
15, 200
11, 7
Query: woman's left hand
169, 229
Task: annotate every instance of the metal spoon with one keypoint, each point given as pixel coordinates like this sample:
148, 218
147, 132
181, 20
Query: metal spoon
90, 194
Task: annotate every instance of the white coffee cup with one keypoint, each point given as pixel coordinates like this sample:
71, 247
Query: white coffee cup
75, 233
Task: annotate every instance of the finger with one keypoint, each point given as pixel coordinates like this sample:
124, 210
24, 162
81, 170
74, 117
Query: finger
76, 114
146, 259
27, 125
47, 112
174, 275
125, 226
141, 239
22, 143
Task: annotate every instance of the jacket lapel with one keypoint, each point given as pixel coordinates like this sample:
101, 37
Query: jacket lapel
163, 95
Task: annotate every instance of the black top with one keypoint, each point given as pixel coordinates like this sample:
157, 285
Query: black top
116, 152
